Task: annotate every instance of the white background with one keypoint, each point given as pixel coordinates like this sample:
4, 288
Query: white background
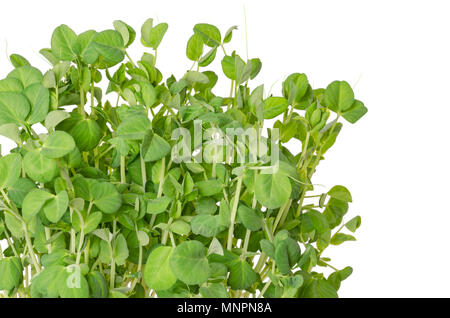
394, 161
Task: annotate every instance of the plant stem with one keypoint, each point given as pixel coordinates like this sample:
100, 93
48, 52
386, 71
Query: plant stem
143, 174
233, 212
47, 237
122, 170
33, 256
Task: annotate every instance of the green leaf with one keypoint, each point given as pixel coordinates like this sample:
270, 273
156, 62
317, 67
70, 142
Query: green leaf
87, 134
189, 263
120, 249
209, 33
319, 288
18, 60
353, 224
355, 112
338, 96
106, 197
337, 277
154, 147
158, 274
228, 35
274, 106
156, 35
340, 238
314, 220
10, 273
295, 87
39, 99
196, 77
38, 167
228, 67
33, 203
214, 290
149, 94
250, 218
10, 84
97, 285
134, 127
27, 75
14, 225
272, 190
287, 254
92, 222
194, 48
109, 45
19, 189
209, 187
340, 193
14, 108
55, 208
57, 145
206, 225
268, 248
62, 41
145, 32
207, 59
242, 276
85, 48
127, 32
11, 131
10, 168
180, 227
158, 205
55, 117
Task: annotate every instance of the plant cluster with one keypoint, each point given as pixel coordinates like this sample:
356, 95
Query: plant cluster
96, 206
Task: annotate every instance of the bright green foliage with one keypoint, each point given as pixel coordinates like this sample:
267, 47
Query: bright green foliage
99, 206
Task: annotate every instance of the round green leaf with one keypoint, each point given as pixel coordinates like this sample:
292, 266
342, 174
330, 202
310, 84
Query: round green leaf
19, 189
55, 208
11, 84
242, 276
134, 127
158, 274
338, 96
84, 47
10, 168
39, 98
106, 197
10, 273
340, 193
272, 190
274, 106
189, 263
62, 41
38, 167
109, 45
87, 134
33, 203
206, 225
27, 75
250, 218
14, 108
209, 33
54, 118
57, 145
194, 48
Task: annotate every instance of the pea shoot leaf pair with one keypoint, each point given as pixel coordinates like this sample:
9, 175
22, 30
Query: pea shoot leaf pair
98, 206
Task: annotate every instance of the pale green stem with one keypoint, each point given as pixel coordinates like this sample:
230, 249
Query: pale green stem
47, 237
233, 212
122, 170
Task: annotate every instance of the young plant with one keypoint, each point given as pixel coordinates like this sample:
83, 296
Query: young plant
143, 187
